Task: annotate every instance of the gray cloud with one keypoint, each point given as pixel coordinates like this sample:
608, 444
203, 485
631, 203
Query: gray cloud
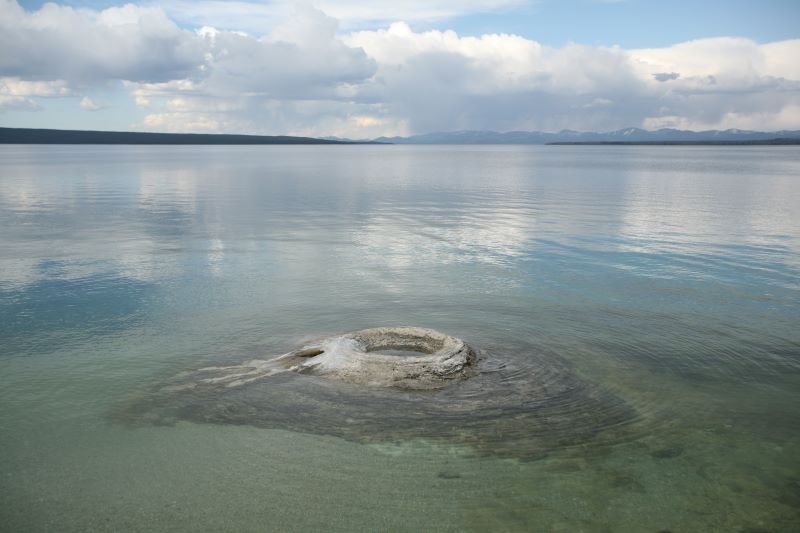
441, 81
301, 60
120, 43
666, 76
305, 77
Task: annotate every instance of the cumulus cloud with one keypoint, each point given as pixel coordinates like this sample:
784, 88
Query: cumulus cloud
17, 103
224, 79
16, 86
16, 94
439, 80
303, 74
301, 59
89, 105
85, 46
299, 75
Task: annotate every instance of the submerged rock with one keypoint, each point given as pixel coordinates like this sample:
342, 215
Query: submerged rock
515, 404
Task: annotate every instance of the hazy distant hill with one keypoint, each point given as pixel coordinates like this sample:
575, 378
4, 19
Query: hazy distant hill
626, 135
44, 136
629, 135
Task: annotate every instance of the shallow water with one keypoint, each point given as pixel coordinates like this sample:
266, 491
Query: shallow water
636, 308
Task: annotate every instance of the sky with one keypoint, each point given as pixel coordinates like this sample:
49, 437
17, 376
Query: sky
398, 67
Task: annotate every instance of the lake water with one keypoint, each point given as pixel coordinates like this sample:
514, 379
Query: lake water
637, 310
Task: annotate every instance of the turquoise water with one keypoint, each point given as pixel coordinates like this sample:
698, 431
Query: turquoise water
636, 309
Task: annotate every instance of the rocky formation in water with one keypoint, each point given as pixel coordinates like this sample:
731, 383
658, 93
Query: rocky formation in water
357, 358
519, 404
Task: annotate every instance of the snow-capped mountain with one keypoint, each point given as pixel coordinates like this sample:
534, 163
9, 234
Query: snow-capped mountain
623, 135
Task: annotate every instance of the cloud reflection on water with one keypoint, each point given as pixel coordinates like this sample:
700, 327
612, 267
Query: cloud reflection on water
390, 217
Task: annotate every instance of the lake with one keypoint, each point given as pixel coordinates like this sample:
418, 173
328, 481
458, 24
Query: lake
636, 310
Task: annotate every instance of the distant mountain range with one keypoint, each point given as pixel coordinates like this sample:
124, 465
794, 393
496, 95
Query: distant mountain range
628, 135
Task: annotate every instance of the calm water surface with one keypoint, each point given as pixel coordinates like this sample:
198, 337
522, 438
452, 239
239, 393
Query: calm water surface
638, 310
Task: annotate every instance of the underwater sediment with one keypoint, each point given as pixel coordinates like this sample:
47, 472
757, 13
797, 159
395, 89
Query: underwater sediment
398, 384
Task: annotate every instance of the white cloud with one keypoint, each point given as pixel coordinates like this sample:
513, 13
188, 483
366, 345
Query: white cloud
16, 86
301, 59
178, 122
723, 56
301, 74
226, 79
89, 105
441, 81
85, 46
17, 103
16, 94
785, 117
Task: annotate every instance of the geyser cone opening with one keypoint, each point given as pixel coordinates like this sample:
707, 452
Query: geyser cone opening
435, 360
